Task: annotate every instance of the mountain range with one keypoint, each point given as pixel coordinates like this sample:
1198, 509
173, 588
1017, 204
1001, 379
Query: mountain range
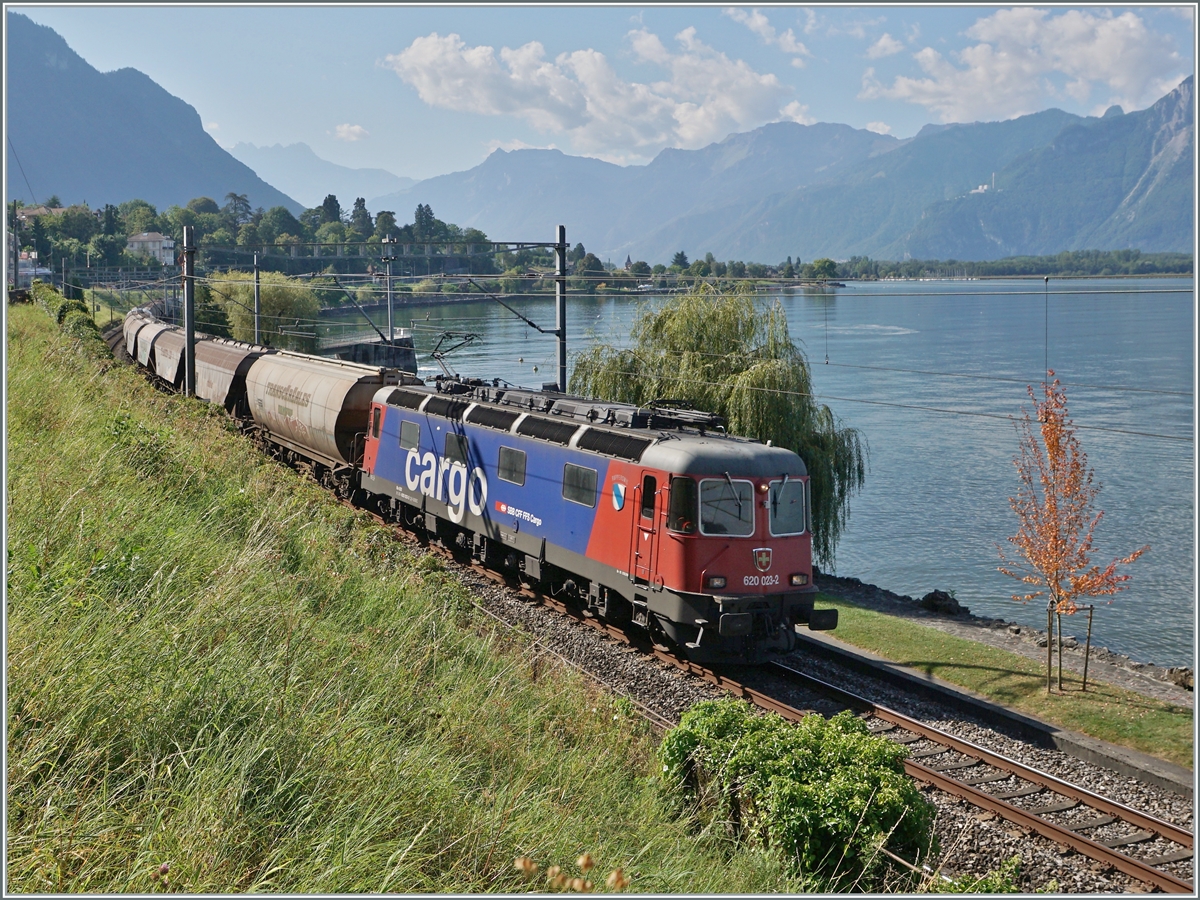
300, 173
108, 137
1061, 182
1038, 184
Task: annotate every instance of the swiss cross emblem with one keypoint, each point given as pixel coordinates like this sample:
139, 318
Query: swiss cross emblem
762, 558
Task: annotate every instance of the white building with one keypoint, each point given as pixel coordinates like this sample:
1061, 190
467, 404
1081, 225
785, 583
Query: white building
151, 243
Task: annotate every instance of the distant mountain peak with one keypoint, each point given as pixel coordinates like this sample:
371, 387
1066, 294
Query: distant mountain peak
135, 139
297, 169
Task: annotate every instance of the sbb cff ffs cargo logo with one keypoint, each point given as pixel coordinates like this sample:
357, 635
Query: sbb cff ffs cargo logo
762, 559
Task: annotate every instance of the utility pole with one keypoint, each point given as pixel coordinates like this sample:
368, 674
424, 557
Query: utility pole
257, 301
388, 257
560, 305
189, 310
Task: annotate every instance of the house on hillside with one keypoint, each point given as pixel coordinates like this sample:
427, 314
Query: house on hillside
153, 244
27, 214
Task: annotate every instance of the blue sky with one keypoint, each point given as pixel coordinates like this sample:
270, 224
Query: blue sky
425, 90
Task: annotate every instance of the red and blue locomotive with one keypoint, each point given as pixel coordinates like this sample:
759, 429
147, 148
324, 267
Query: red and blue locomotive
654, 517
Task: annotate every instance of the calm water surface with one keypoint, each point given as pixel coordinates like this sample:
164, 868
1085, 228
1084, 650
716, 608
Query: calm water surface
930, 373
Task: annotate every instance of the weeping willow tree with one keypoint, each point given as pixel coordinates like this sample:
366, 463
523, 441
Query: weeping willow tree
725, 354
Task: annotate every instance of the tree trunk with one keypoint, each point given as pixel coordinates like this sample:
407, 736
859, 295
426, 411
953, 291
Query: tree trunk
1049, 645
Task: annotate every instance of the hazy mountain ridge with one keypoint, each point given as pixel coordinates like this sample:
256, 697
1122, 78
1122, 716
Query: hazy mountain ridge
296, 170
1062, 182
1123, 181
108, 137
525, 193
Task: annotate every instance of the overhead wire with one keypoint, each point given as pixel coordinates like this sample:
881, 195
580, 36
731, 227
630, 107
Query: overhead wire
888, 403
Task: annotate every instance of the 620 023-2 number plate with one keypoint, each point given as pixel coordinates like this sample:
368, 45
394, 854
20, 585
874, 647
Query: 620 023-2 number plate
759, 580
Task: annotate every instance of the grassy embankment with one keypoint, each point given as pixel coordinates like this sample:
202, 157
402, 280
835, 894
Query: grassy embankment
214, 666
1103, 711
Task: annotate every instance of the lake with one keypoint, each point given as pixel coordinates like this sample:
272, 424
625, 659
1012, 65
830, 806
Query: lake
931, 372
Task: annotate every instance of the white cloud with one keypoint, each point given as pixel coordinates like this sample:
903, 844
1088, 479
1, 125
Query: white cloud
516, 144
857, 29
885, 46
798, 112
811, 23
760, 25
703, 96
1021, 56
350, 133
879, 127
211, 126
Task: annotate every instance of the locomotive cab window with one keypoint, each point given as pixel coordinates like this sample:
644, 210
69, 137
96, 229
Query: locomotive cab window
681, 507
512, 465
456, 448
726, 507
579, 484
649, 490
376, 418
410, 435
786, 506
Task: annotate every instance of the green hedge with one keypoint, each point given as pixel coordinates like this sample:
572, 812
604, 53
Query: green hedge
824, 792
72, 316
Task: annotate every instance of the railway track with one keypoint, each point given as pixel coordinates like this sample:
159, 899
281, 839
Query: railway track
1032, 800
1049, 806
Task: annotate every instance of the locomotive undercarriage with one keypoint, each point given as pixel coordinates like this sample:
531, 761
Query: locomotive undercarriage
706, 629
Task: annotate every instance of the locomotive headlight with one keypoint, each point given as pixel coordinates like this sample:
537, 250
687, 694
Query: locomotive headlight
715, 582
799, 578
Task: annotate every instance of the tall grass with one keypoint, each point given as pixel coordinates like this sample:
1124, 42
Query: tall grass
219, 680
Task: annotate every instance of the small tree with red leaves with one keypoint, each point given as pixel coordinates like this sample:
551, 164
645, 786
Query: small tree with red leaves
1057, 521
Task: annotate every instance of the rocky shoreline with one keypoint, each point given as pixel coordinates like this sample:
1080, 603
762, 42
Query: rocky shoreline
939, 609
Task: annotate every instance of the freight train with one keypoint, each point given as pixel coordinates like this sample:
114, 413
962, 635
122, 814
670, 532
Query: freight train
646, 517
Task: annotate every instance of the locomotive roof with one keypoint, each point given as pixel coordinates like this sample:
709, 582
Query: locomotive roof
677, 440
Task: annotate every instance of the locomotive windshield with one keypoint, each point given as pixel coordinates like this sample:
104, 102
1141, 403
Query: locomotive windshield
681, 508
787, 507
726, 507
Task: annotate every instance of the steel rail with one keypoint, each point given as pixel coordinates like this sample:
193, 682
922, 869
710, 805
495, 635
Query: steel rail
1143, 820
1132, 866
1135, 868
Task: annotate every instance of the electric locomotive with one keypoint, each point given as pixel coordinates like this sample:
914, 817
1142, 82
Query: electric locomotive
646, 516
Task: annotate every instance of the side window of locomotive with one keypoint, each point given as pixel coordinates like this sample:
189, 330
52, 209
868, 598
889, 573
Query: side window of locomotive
649, 489
512, 465
726, 507
456, 448
579, 484
410, 435
681, 508
786, 506
376, 418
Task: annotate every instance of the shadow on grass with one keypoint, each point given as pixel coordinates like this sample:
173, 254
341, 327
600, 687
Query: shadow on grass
995, 683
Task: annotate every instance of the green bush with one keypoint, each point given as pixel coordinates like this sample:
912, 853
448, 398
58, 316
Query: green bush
79, 323
824, 792
73, 317
47, 297
68, 306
